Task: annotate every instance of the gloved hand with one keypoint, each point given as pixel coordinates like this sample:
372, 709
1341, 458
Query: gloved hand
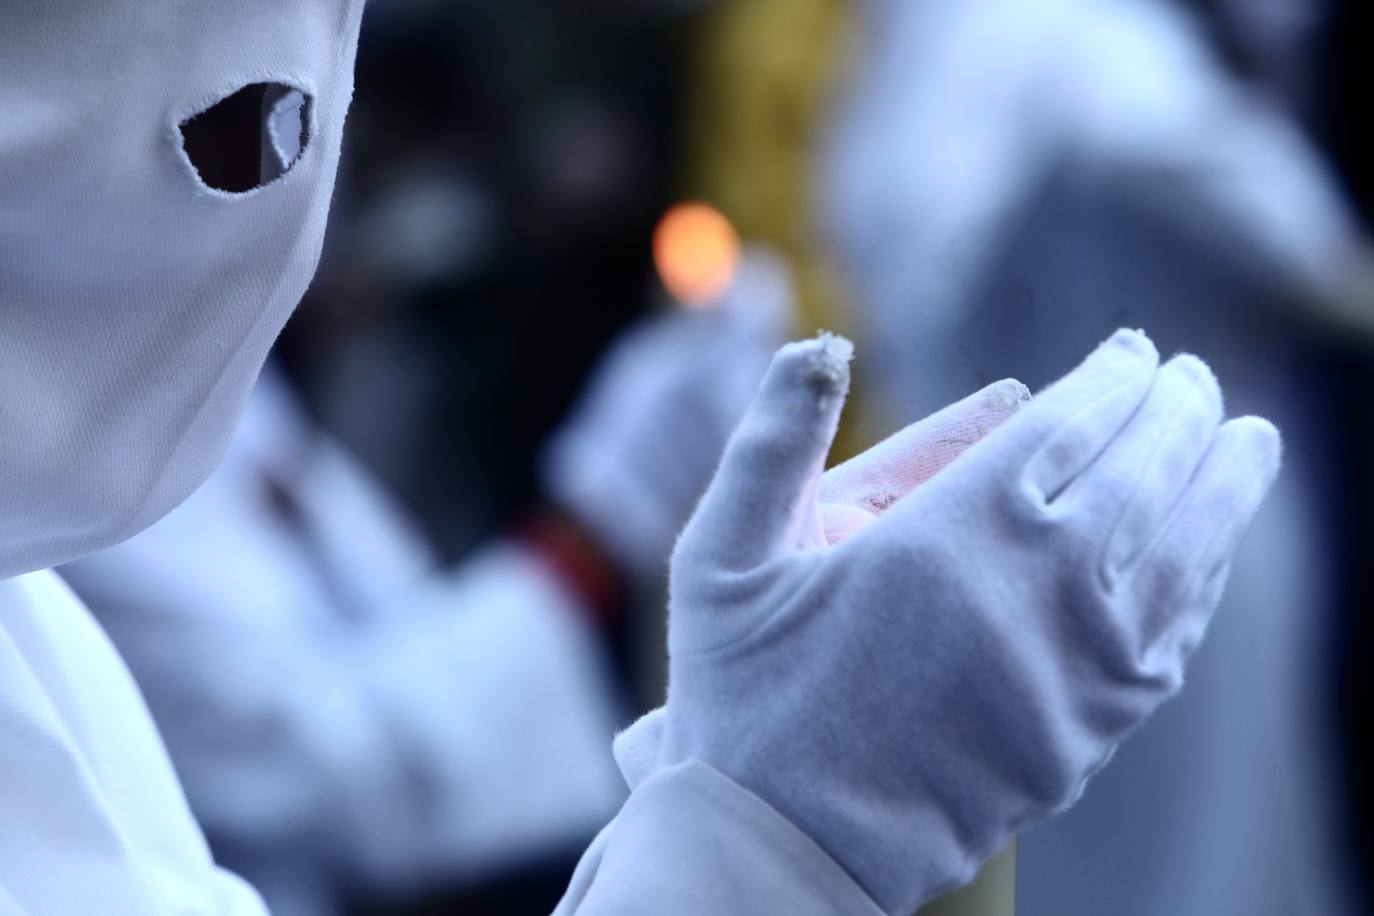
640, 446
854, 494
956, 668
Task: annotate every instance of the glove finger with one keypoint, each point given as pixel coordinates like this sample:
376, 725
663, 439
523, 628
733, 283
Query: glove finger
758, 501
894, 467
636, 748
1069, 424
840, 521
1200, 537
1141, 475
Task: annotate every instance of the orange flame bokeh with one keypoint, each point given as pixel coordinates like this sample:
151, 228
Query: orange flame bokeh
696, 253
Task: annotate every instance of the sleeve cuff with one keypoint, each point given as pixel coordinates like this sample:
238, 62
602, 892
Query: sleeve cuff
691, 841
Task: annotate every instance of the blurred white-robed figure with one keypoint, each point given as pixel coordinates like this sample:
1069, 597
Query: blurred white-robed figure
1007, 180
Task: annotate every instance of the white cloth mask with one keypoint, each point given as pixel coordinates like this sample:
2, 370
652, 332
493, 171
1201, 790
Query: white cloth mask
148, 260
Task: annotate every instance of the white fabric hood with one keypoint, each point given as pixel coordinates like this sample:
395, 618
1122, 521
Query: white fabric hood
137, 302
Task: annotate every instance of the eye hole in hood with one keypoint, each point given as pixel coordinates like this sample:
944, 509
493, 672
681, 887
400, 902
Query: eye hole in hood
248, 139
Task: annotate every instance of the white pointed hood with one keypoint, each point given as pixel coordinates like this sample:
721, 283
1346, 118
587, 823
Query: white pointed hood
137, 302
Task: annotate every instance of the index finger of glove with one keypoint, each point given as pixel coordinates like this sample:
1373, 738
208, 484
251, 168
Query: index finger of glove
894, 467
1050, 440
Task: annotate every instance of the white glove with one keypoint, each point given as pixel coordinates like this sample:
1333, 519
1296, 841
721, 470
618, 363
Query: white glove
641, 445
958, 667
853, 495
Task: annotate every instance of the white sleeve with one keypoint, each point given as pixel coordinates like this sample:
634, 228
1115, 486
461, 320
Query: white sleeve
508, 722
468, 728
93, 819
691, 842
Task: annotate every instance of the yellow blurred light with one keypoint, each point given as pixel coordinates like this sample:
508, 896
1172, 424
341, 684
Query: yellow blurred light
696, 252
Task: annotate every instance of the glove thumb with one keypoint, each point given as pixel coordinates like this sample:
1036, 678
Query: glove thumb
762, 501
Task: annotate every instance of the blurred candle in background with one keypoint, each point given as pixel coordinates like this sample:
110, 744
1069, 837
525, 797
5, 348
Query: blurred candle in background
696, 253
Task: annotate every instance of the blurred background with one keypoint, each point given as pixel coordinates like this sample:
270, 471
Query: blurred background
428, 583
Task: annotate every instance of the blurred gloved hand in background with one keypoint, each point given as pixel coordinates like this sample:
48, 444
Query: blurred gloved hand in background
640, 446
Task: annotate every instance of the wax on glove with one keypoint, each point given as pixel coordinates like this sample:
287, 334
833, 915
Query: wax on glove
641, 444
955, 668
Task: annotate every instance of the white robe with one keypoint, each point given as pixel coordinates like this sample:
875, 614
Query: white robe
96, 822
340, 709
449, 730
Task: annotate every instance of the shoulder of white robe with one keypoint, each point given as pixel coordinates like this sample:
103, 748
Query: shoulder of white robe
95, 820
